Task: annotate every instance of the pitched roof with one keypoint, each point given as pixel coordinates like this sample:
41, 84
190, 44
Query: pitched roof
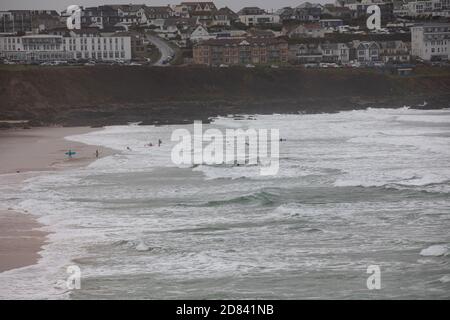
251, 10
158, 9
309, 5
126, 7
202, 4
226, 11
308, 26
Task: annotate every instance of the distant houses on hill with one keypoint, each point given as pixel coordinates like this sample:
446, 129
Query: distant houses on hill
211, 35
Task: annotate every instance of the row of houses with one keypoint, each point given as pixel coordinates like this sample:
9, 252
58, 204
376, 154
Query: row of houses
206, 13
278, 51
21, 21
365, 52
208, 29
434, 8
430, 42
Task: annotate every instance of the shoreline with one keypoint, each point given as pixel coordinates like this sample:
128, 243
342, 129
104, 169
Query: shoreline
26, 153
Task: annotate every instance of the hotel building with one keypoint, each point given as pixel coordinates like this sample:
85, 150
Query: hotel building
241, 51
39, 48
431, 42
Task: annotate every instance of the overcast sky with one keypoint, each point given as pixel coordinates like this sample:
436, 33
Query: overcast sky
60, 5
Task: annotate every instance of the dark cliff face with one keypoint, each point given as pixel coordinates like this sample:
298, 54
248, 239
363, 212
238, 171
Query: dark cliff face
117, 95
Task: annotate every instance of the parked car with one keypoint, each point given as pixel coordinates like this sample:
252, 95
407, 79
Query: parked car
59, 63
249, 66
223, 66
354, 64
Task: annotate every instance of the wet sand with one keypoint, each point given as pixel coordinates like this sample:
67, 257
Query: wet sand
24, 154
20, 240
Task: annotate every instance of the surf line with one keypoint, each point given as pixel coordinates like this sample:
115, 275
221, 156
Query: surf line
237, 146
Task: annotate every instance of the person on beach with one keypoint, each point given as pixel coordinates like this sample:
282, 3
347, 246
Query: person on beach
159, 142
96, 153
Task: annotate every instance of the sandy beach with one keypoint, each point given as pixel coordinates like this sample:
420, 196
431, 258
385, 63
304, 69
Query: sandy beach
25, 153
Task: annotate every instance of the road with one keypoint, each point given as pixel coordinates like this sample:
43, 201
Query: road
163, 47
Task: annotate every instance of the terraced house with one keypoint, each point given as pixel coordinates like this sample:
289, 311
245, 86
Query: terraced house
335, 52
367, 51
241, 51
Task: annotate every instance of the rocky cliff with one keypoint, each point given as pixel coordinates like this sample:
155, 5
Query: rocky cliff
117, 95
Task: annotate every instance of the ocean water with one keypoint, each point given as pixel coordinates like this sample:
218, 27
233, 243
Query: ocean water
354, 189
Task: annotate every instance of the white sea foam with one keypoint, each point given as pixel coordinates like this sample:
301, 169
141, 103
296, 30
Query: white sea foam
126, 196
142, 247
434, 251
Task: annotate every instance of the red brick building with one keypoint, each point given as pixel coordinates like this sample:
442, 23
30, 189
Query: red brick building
231, 51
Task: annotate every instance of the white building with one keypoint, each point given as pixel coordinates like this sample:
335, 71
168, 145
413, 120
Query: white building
200, 34
54, 47
367, 51
335, 52
424, 8
431, 41
309, 30
259, 19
